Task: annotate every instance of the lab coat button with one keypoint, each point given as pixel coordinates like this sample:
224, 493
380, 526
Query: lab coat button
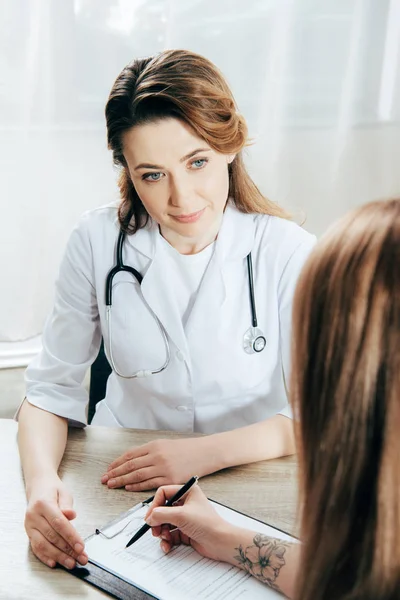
181, 408
179, 355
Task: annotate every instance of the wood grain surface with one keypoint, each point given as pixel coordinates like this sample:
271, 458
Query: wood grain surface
265, 490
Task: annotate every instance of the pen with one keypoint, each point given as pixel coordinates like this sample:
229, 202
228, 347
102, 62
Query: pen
185, 488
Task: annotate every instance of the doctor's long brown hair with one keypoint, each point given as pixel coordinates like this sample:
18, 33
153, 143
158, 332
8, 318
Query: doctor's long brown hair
346, 396
186, 86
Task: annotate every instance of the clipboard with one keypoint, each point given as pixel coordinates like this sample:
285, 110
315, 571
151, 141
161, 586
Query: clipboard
114, 585
108, 582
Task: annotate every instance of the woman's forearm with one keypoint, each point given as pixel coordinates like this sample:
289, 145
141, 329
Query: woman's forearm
268, 439
42, 437
273, 561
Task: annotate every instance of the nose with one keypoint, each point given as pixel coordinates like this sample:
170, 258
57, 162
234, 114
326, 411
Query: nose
181, 194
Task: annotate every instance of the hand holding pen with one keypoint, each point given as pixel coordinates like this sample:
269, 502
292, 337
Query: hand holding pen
169, 502
193, 521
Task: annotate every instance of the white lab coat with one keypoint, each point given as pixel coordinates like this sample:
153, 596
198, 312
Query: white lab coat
211, 384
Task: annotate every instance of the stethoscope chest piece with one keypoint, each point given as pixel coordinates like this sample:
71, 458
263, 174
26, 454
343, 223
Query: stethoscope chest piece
254, 340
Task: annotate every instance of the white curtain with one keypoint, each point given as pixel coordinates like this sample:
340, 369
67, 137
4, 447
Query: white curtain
318, 80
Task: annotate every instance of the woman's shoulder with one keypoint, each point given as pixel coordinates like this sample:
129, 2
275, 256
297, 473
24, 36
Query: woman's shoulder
282, 238
283, 244
99, 218
93, 236
282, 230
97, 226
272, 238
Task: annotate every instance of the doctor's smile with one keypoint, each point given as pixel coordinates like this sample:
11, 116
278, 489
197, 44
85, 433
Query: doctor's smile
191, 218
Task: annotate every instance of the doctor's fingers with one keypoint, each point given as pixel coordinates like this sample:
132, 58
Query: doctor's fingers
44, 527
45, 516
150, 484
135, 478
48, 553
133, 454
129, 466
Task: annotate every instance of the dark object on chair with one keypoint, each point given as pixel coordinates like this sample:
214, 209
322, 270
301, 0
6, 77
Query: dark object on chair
99, 374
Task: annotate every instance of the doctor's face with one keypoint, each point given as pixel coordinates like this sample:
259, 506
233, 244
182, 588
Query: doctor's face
182, 182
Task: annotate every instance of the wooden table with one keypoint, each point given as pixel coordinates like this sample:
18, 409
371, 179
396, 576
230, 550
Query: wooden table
266, 490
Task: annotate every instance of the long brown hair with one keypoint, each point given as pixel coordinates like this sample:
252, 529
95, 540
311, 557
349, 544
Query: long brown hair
186, 86
345, 390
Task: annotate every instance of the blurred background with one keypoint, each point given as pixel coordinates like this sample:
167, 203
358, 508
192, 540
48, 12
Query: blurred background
317, 80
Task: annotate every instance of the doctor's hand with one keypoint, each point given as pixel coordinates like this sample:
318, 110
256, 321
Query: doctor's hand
47, 522
160, 462
193, 521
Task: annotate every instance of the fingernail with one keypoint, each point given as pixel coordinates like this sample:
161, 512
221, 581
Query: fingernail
164, 547
78, 548
148, 520
104, 479
69, 563
112, 482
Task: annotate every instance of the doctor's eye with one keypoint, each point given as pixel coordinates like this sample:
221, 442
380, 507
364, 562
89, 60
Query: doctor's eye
199, 163
152, 176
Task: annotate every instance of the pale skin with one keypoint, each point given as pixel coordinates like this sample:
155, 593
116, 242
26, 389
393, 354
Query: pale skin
166, 461
195, 522
177, 175
42, 437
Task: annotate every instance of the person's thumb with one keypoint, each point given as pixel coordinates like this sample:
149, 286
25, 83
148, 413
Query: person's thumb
173, 515
65, 502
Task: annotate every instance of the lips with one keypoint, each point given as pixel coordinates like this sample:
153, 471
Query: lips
190, 218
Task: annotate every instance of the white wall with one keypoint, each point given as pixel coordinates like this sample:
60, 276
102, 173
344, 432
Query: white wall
321, 175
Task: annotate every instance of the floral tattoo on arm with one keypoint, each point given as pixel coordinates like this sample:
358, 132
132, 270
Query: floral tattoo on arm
264, 559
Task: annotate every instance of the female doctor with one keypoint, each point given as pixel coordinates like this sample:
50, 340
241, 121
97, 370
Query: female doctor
189, 281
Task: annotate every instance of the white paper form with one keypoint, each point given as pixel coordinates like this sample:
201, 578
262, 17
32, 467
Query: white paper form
181, 574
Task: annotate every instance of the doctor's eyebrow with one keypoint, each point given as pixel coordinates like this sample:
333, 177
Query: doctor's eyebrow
186, 157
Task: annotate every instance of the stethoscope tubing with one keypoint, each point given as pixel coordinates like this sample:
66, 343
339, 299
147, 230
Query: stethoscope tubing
142, 372
252, 334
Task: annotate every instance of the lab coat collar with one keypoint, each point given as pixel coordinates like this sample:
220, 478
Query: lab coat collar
160, 296
145, 239
235, 238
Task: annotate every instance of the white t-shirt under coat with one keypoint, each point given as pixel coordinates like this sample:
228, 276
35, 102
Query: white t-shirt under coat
186, 272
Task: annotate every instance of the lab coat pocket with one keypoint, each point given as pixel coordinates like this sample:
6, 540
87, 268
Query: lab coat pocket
223, 370
244, 373
248, 370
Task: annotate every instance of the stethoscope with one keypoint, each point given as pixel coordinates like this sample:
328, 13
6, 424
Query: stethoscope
253, 340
